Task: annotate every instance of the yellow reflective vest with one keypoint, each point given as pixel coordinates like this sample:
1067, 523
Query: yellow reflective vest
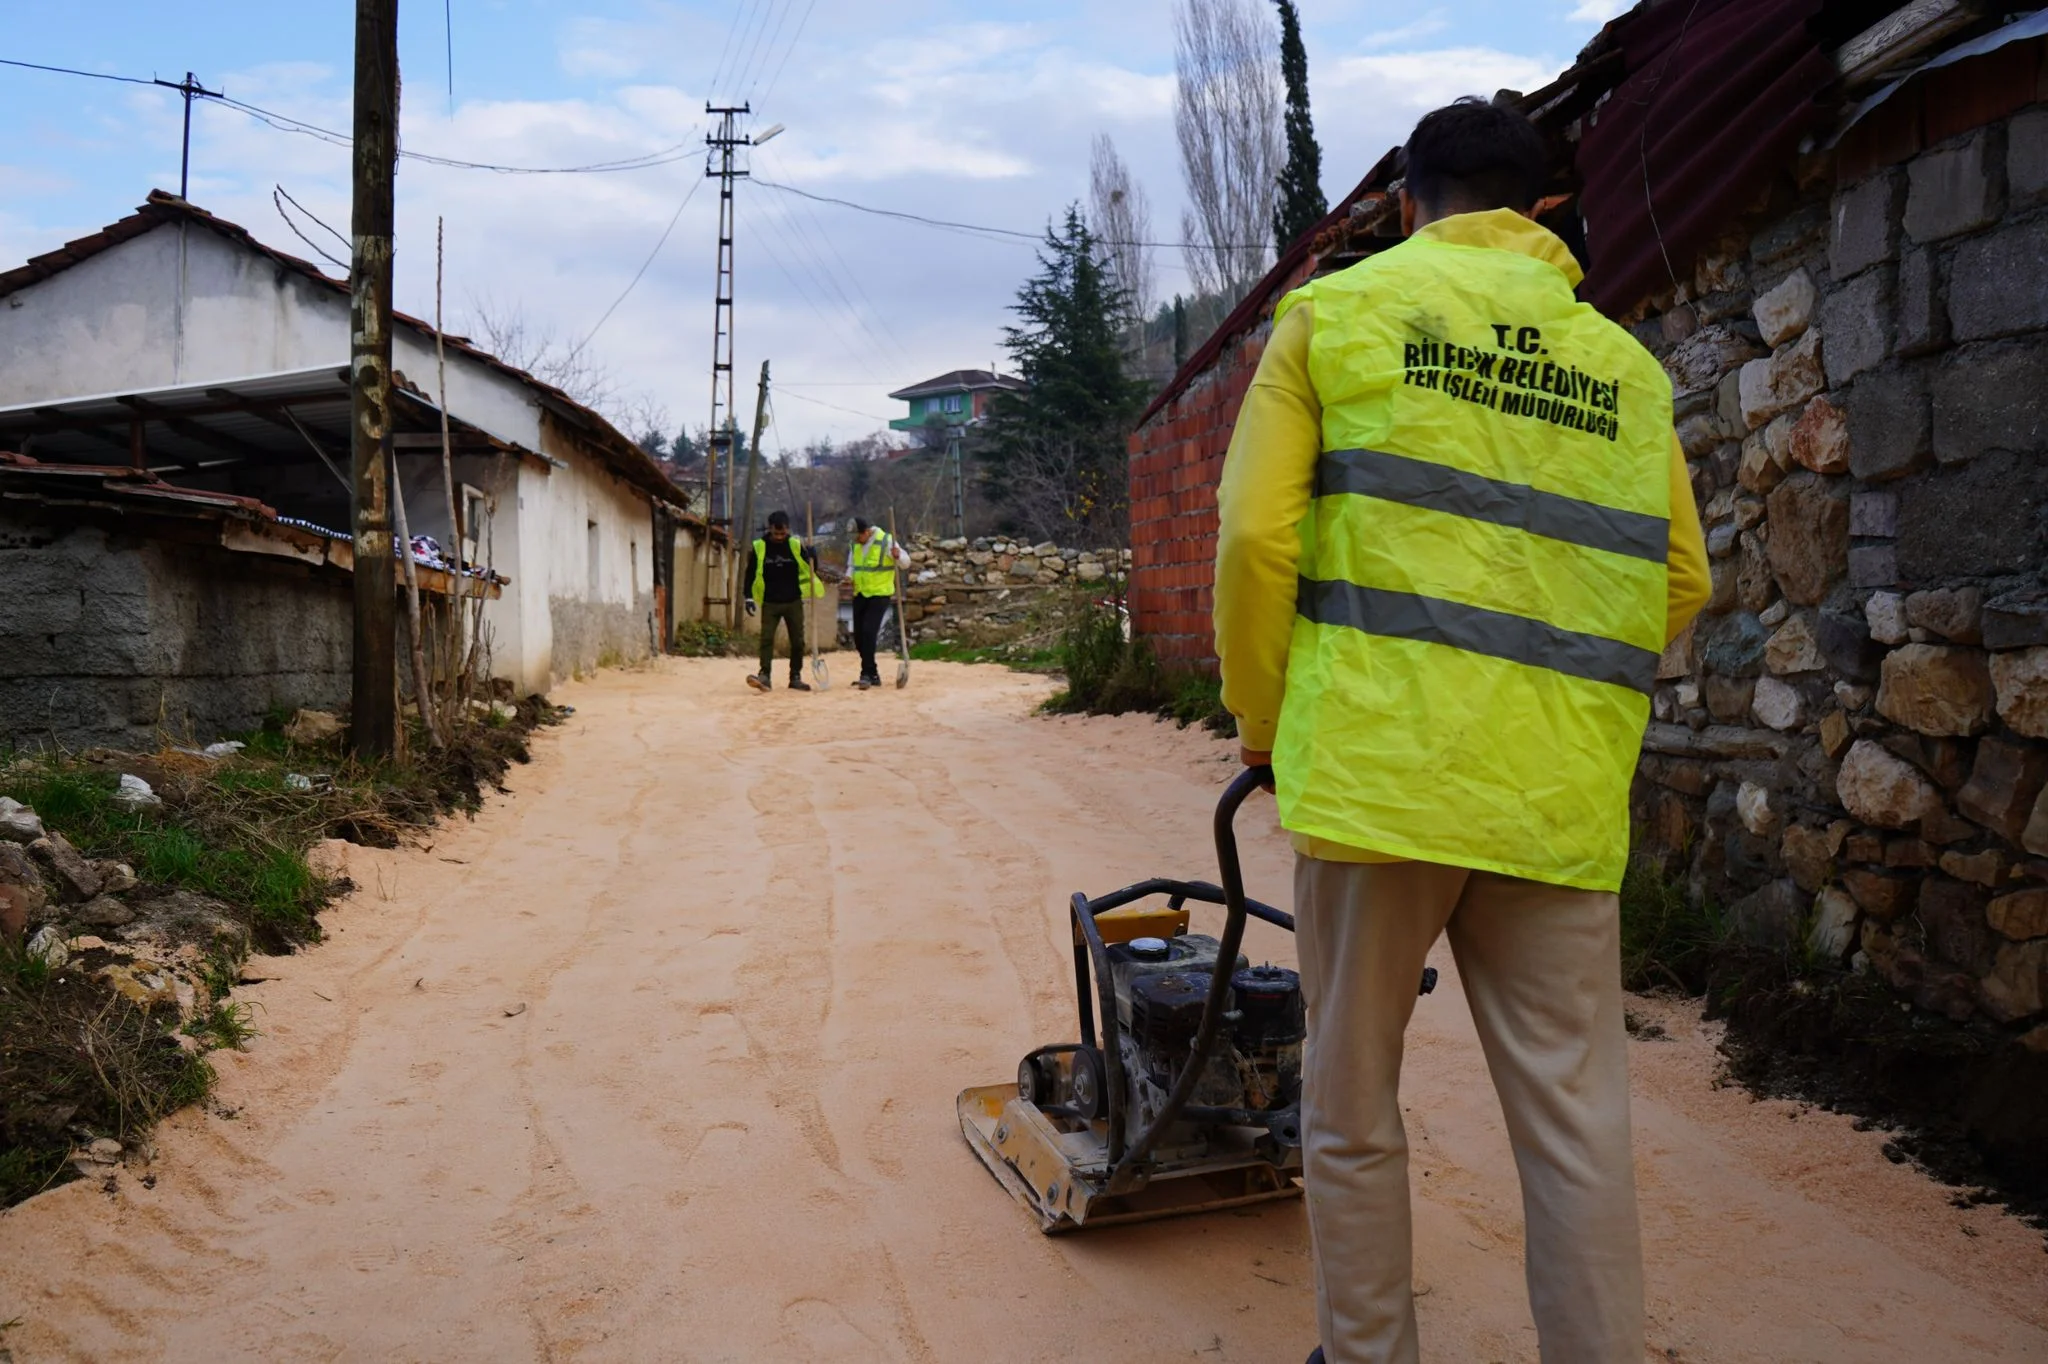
874, 566
807, 584
1482, 595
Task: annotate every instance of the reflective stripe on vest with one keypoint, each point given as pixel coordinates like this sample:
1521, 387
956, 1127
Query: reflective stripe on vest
874, 567
1481, 604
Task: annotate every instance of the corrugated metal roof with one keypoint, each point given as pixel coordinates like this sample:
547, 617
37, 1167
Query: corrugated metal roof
623, 455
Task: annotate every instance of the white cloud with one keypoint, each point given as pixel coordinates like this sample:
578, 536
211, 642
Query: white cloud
1427, 26
981, 122
1600, 11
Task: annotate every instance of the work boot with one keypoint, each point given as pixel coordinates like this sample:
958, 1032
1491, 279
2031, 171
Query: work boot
1317, 1357
864, 683
798, 684
760, 681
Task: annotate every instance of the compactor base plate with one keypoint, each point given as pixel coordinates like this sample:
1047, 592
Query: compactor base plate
1057, 1167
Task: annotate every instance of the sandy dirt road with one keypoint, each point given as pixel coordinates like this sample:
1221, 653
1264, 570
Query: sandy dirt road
655, 1060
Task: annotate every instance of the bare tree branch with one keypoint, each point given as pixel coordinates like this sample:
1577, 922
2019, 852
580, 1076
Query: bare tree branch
1227, 116
1121, 216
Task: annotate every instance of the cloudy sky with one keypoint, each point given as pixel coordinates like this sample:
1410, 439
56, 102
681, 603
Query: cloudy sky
974, 112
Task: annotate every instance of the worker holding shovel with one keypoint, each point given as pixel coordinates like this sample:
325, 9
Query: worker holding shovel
1457, 532
874, 562
780, 575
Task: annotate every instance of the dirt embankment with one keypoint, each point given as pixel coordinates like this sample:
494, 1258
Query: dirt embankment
656, 1060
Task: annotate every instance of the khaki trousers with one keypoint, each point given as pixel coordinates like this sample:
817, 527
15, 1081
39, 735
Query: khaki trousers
1541, 970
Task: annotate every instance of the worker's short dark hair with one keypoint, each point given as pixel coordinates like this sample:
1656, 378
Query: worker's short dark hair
778, 520
860, 525
1473, 155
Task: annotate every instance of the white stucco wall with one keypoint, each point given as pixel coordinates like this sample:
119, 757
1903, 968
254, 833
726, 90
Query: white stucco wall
181, 305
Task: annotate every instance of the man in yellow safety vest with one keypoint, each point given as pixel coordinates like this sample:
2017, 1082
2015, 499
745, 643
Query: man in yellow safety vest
1457, 531
780, 575
874, 562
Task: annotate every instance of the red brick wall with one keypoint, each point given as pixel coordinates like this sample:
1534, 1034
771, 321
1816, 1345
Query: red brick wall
1176, 462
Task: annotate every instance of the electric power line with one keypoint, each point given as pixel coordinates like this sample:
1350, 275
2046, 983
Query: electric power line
73, 71
278, 199
1005, 233
820, 402
795, 38
811, 299
286, 123
747, 63
831, 278
675, 218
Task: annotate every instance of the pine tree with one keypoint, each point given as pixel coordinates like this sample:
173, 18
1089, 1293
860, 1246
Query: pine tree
1301, 205
1057, 461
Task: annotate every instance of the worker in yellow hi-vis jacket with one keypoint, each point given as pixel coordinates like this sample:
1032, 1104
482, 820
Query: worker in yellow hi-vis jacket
1457, 532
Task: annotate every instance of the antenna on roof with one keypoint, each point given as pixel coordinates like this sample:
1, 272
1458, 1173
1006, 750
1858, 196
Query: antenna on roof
190, 89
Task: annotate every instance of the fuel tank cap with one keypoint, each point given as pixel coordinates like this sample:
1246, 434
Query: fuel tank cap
1149, 949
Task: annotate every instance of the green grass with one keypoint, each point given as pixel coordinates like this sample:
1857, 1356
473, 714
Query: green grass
1668, 940
1020, 657
225, 1024
77, 1060
703, 639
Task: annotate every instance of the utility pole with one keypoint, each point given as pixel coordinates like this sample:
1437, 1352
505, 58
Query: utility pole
374, 686
744, 527
954, 438
720, 165
190, 89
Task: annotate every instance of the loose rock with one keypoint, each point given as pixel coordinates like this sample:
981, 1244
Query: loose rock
2017, 986
1954, 613
1809, 544
1777, 704
313, 727
103, 911
1820, 439
2020, 679
18, 823
75, 877
48, 947
1753, 808
1786, 379
1885, 613
1793, 648
2005, 782
1937, 690
134, 794
2020, 916
1834, 925
1784, 311
1879, 788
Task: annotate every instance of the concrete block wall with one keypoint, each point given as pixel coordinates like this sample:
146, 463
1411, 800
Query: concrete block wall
108, 639
1848, 747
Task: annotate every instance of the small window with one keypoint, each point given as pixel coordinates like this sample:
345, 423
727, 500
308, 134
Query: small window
955, 401
590, 555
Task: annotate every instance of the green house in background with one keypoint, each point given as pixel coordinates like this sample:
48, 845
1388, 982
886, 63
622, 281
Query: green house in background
961, 398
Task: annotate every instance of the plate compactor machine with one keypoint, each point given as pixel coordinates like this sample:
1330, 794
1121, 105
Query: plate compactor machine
1184, 1093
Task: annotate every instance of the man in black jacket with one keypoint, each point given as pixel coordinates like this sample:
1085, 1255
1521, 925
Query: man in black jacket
780, 574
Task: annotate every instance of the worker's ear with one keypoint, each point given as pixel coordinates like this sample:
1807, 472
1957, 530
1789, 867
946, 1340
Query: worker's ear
1407, 213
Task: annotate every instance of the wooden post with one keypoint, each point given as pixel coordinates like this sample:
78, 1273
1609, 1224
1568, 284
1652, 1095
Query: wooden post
374, 690
743, 529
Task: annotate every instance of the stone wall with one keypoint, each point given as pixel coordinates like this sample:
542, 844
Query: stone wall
1847, 747
993, 583
110, 639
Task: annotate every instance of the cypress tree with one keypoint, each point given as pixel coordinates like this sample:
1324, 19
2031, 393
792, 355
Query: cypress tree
1301, 204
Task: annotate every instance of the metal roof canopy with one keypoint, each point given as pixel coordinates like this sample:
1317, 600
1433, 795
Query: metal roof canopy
271, 418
